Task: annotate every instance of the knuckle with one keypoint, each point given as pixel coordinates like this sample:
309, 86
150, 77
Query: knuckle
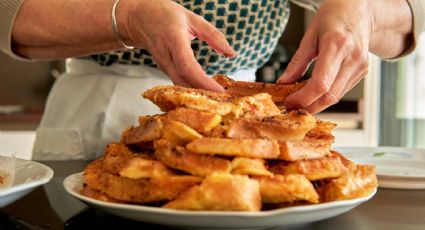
364, 67
361, 58
321, 86
359, 55
328, 99
340, 39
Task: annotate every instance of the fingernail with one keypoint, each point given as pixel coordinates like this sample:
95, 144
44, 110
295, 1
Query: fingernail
289, 106
220, 53
282, 78
220, 89
230, 52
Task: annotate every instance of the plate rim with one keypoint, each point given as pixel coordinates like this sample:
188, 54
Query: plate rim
374, 161
398, 176
267, 213
31, 184
381, 146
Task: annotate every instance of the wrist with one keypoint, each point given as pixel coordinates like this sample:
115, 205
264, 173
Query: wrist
391, 27
122, 15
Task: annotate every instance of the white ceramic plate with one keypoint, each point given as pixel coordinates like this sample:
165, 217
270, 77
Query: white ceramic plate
216, 219
27, 176
401, 168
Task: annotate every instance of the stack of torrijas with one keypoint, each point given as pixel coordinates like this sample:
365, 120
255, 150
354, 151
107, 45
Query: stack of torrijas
234, 151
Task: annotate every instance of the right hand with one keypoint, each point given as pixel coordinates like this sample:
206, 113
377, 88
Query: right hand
165, 29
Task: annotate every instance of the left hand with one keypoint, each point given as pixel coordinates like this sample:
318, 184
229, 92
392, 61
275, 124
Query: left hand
339, 38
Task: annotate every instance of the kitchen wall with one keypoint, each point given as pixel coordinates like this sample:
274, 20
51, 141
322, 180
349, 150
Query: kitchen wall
24, 83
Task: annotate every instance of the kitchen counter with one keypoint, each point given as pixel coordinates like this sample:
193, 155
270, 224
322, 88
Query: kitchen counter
50, 207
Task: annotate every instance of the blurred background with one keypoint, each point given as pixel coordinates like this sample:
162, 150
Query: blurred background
384, 109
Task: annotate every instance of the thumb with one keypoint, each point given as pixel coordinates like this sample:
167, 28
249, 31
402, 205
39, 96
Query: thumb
299, 62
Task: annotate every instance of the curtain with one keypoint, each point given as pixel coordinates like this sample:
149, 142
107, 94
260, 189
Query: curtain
403, 100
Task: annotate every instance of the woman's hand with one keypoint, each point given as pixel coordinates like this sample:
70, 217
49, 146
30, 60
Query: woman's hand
165, 29
339, 38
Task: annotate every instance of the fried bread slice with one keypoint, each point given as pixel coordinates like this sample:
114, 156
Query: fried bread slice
149, 129
221, 192
323, 127
287, 127
255, 148
196, 164
155, 127
178, 133
353, 184
277, 189
198, 120
350, 165
92, 193
311, 147
279, 92
141, 190
314, 169
170, 97
119, 159
257, 105
249, 166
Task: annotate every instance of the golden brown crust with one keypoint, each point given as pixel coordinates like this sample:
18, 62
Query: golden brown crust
286, 189
249, 166
198, 120
256, 148
323, 126
196, 164
221, 191
148, 130
178, 133
314, 169
311, 147
257, 105
92, 193
288, 127
120, 160
279, 92
353, 184
350, 165
171, 97
136, 190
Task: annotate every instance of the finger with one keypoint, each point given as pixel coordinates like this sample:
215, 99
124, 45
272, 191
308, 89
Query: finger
300, 61
187, 68
327, 67
166, 65
352, 83
363, 69
205, 31
347, 75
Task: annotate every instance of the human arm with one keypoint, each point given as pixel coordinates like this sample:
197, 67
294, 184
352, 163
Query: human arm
51, 29
339, 38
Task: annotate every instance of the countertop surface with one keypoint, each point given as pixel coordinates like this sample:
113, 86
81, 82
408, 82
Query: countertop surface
50, 207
